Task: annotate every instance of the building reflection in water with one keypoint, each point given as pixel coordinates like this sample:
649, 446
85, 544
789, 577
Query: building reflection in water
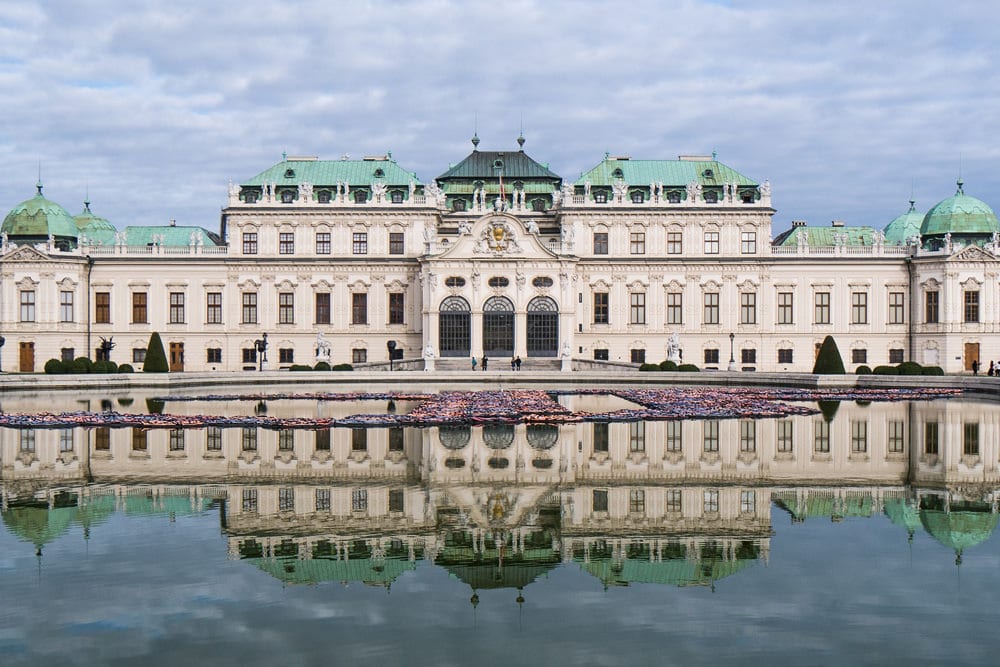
676, 503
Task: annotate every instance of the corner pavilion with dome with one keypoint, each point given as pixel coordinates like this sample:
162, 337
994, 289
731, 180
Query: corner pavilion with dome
500, 256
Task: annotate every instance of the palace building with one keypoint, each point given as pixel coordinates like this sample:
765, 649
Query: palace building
635, 261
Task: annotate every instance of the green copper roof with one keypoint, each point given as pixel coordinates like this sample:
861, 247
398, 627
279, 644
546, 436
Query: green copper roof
959, 530
96, 229
904, 227
172, 235
39, 217
672, 173
517, 165
823, 236
902, 513
960, 214
330, 172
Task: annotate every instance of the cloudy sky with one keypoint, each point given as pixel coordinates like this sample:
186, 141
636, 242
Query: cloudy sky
152, 107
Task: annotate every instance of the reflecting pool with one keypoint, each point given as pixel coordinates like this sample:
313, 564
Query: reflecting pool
860, 534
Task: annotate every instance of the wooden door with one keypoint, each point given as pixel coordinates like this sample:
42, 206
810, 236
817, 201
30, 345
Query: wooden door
176, 357
26, 361
971, 354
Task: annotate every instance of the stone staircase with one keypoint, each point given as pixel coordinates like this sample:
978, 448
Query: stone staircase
533, 365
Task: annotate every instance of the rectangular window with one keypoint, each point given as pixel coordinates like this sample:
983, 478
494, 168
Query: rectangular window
322, 243
65, 306
27, 305
397, 308
396, 245
971, 305
140, 441
710, 439
895, 444
601, 314
286, 440
675, 308
249, 308
359, 308
27, 439
786, 311
711, 308
675, 436
249, 439
249, 243
711, 243
821, 436
784, 429
896, 355
600, 500
67, 353
102, 438
249, 500
931, 307
323, 440
637, 437
859, 307
931, 438
360, 243
65, 440
673, 501
359, 440
859, 437
970, 439
359, 355
822, 309
784, 356
748, 243
601, 354
213, 438
177, 307
637, 500
286, 308
748, 356
359, 500
859, 356
396, 500
322, 500
213, 355
748, 436
712, 355
711, 501
323, 308
396, 439
102, 307
213, 308
138, 355
177, 440
286, 243
249, 355
637, 308
600, 436
748, 501
637, 243
600, 243
286, 499
675, 243
286, 355
748, 308
140, 312
896, 309
637, 356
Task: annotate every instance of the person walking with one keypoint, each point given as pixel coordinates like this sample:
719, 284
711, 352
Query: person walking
517, 363
473, 363
991, 370
485, 362
975, 366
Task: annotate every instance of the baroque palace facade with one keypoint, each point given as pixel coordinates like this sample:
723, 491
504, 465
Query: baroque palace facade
637, 260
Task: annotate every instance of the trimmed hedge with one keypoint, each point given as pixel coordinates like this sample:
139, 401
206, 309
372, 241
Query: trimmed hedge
910, 368
55, 367
863, 370
885, 370
649, 367
299, 367
81, 365
932, 370
321, 366
668, 365
829, 361
342, 367
126, 368
156, 358
688, 368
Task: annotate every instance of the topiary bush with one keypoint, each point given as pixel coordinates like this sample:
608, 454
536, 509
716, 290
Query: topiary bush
156, 358
104, 367
688, 368
885, 370
932, 370
863, 370
55, 367
126, 368
321, 366
829, 361
342, 367
299, 367
910, 368
81, 365
668, 365
649, 367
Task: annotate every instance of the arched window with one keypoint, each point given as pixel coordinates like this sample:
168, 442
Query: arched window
543, 327
458, 205
542, 436
498, 327
498, 436
360, 196
454, 327
454, 437
638, 197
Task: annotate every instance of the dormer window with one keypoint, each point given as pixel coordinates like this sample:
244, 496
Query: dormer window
711, 197
250, 196
287, 196
746, 197
638, 197
708, 173
360, 196
674, 197
289, 173
323, 196
617, 173
458, 205
379, 173
538, 205
498, 164
397, 196
600, 197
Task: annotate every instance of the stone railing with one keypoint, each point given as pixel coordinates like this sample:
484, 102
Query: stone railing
843, 251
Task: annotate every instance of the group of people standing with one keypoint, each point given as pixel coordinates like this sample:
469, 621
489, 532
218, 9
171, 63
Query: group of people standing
994, 369
515, 363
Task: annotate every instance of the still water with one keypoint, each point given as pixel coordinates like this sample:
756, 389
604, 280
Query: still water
859, 535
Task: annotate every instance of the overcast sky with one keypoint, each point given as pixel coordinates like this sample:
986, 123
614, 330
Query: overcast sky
846, 107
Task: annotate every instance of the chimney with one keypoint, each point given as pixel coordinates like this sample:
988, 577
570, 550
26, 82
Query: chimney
798, 223
837, 223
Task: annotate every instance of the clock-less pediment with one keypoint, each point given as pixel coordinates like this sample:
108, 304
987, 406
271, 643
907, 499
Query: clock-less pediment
496, 236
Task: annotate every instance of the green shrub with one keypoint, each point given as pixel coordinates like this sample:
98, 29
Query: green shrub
342, 367
156, 358
863, 370
55, 367
932, 370
688, 368
649, 367
829, 409
910, 368
321, 366
105, 367
126, 368
668, 365
299, 367
829, 361
885, 370
81, 365
154, 406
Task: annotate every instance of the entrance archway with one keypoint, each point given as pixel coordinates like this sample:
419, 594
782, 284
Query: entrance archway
543, 327
498, 327
454, 327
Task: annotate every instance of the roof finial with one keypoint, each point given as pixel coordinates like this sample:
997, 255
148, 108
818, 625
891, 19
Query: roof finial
912, 202
520, 136
284, 156
715, 155
475, 142
960, 183
38, 184
475, 131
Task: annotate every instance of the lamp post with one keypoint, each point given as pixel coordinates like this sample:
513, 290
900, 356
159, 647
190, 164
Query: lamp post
261, 346
732, 357
391, 346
